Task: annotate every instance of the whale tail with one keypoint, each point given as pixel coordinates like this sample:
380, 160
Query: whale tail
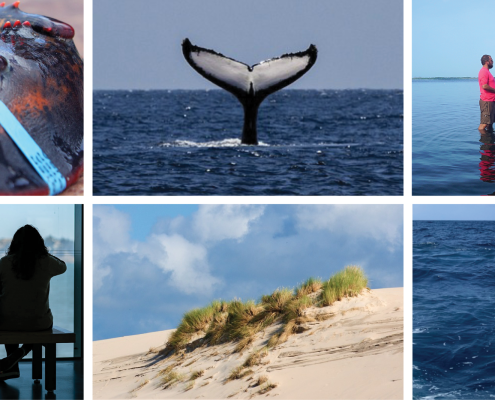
250, 84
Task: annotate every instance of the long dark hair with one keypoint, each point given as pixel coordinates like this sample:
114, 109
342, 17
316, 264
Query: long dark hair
27, 246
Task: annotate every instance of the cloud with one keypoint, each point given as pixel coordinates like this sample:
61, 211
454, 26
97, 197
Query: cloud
227, 251
110, 236
213, 223
185, 263
379, 222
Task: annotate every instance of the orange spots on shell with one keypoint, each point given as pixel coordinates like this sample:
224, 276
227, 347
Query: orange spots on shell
17, 23
16, 4
2, 4
26, 23
7, 25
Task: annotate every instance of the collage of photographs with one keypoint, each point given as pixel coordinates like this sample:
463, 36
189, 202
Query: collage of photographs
217, 199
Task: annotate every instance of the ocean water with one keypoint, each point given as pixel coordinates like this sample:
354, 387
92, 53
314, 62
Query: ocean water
328, 142
454, 310
449, 155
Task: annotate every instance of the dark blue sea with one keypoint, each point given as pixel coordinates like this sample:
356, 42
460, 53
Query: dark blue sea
450, 157
326, 142
454, 310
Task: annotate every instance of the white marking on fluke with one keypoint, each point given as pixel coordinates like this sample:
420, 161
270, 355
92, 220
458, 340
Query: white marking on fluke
250, 84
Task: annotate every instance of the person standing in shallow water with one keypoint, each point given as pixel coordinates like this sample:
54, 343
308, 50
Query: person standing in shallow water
25, 274
487, 94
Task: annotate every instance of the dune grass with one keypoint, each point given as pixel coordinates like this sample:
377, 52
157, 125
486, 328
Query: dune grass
239, 373
172, 378
196, 374
267, 387
295, 308
347, 283
255, 357
195, 321
239, 322
311, 285
261, 379
165, 371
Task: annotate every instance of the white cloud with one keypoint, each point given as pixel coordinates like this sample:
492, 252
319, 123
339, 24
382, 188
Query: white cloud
110, 236
219, 222
380, 222
186, 262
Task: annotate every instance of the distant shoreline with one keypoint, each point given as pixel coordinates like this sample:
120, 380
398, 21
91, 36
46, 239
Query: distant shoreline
444, 78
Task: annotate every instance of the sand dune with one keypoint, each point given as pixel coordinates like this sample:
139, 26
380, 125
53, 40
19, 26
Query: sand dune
355, 351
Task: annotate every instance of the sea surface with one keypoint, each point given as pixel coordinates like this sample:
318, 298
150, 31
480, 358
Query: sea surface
450, 157
326, 142
454, 310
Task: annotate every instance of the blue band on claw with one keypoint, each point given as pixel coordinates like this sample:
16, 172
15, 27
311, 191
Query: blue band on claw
38, 159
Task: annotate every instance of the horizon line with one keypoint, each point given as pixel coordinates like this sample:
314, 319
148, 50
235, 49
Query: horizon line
467, 220
220, 89
445, 77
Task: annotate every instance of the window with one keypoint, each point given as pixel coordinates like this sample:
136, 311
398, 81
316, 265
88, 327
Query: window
61, 228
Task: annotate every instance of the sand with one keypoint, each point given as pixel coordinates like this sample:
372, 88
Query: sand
357, 353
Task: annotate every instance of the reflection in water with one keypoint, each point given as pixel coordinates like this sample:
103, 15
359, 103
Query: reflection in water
487, 159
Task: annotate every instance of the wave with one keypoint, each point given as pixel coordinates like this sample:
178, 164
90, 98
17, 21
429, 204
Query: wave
237, 143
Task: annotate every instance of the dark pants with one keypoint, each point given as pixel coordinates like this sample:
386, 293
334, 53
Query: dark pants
10, 348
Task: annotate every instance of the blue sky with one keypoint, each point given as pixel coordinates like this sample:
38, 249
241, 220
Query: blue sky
450, 36
137, 43
49, 219
453, 212
186, 256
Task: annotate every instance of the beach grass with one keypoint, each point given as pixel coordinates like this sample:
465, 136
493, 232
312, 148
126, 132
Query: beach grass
261, 380
239, 373
195, 321
267, 387
275, 302
165, 371
347, 283
311, 285
196, 374
239, 322
295, 308
172, 378
238, 325
255, 358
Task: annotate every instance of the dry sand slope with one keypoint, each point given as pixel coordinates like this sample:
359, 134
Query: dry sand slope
357, 353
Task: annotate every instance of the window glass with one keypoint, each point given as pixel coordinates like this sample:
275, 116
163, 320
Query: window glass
55, 223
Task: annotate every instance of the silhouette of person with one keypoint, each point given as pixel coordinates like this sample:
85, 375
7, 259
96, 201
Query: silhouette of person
25, 274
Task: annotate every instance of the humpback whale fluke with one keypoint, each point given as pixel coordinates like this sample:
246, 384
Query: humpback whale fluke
250, 84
